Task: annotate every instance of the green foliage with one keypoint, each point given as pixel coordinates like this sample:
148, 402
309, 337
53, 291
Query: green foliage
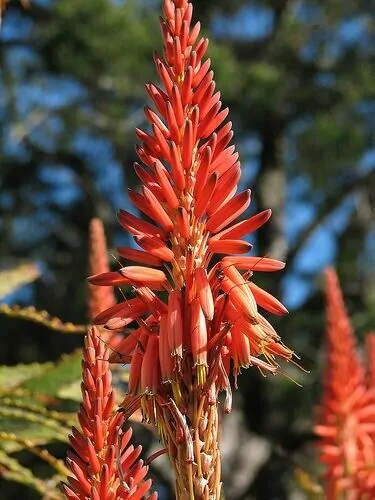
54, 378
82, 52
34, 404
12, 376
12, 470
32, 417
37, 400
31, 407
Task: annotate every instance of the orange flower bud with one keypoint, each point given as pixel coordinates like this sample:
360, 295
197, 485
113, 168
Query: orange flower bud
198, 332
245, 227
187, 84
125, 348
158, 96
152, 301
212, 120
182, 222
229, 246
165, 355
156, 247
240, 350
203, 169
139, 274
254, 263
204, 292
239, 292
177, 170
137, 226
177, 105
168, 191
139, 256
125, 310
205, 195
228, 212
108, 279
139, 201
153, 118
175, 323
135, 372
225, 159
174, 131
225, 189
157, 211
144, 174
189, 143
206, 79
137, 361
267, 301
150, 372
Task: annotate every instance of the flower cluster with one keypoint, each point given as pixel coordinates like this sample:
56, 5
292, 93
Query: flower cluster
346, 417
189, 174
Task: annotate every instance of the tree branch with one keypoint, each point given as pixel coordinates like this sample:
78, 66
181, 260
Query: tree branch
332, 201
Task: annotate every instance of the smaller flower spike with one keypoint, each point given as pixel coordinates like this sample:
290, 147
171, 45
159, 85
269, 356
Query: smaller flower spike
103, 465
370, 348
367, 479
346, 418
99, 298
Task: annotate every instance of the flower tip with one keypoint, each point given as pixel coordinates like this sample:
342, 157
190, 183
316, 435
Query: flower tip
96, 279
330, 275
284, 310
111, 278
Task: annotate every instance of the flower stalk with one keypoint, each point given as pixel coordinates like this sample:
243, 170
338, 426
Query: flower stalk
195, 315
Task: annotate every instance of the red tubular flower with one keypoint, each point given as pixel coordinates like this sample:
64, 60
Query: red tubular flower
346, 418
103, 465
189, 174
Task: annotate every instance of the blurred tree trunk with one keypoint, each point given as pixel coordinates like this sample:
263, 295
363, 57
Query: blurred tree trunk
270, 192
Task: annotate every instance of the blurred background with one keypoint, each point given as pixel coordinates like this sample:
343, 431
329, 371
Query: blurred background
299, 79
